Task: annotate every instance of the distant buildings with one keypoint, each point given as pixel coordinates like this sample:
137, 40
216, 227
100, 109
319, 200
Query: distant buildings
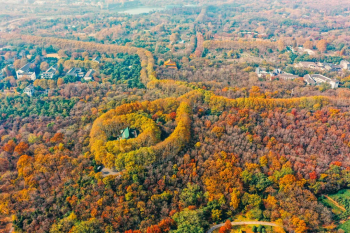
276, 73
29, 90
310, 79
318, 66
76, 72
25, 71
317, 79
89, 75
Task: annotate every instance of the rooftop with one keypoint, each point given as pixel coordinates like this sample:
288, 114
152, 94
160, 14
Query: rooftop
28, 88
26, 67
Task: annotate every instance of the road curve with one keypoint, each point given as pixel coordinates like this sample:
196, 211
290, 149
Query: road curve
244, 223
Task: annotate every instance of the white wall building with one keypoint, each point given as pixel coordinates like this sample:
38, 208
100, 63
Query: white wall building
26, 72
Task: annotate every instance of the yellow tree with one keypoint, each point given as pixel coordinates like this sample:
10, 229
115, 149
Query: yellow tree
308, 44
322, 45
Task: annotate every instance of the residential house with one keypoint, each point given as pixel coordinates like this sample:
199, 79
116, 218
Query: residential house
29, 90
97, 59
49, 73
329, 67
89, 75
317, 79
26, 71
170, 64
76, 72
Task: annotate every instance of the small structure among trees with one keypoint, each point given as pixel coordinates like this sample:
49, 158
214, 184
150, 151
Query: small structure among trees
128, 133
170, 64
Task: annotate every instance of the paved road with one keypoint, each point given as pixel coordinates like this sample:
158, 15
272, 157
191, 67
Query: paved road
244, 223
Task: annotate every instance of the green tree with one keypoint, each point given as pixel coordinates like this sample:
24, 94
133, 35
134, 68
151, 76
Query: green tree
190, 221
91, 226
191, 194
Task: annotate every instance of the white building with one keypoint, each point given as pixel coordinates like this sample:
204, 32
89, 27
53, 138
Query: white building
261, 72
25, 71
49, 73
317, 79
29, 90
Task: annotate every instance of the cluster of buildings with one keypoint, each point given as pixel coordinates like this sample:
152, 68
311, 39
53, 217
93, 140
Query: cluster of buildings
317, 79
344, 65
310, 79
276, 73
27, 71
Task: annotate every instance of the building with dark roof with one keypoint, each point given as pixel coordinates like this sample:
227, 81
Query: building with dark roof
26, 71
49, 73
89, 75
76, 72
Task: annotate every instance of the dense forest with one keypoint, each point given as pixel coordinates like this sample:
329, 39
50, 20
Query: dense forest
161, 122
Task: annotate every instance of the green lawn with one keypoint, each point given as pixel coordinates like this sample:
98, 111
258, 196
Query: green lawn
345, 226
342, 198
336, 210
344, 193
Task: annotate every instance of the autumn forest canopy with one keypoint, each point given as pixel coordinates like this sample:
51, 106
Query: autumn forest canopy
180, 116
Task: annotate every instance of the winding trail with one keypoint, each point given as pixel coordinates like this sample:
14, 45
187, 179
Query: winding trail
244, 223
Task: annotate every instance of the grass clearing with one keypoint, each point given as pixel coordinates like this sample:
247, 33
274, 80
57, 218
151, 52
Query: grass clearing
345, 226
336, 210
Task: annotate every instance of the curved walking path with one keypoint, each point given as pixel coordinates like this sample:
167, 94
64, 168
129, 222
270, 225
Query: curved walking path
244, 223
